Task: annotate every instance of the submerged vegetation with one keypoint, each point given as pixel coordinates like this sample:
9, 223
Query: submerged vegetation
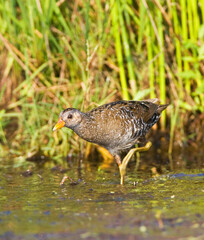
59, 54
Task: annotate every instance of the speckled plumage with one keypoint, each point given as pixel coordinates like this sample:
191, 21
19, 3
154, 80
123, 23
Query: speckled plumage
116, 126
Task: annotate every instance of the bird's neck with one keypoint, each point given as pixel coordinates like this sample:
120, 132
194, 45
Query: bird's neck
85, 128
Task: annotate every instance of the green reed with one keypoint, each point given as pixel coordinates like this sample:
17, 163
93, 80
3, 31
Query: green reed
82, 54
118, 46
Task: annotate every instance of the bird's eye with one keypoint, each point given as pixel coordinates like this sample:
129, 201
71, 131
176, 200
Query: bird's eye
70, 116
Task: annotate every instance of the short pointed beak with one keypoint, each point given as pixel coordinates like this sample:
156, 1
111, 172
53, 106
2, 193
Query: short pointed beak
59, 124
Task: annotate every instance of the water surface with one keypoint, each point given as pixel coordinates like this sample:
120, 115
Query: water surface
33, 205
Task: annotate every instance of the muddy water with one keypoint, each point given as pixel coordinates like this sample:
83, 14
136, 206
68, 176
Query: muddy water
33, 205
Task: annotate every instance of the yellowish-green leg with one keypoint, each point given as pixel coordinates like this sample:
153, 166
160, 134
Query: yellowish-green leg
126, 159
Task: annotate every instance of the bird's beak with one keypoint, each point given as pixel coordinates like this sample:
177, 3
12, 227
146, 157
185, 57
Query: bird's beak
59, 124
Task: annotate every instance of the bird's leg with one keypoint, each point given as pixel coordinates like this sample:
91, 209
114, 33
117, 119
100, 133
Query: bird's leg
126, 159
118, 161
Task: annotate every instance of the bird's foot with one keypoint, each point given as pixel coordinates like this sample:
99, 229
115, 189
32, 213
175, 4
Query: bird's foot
123, 165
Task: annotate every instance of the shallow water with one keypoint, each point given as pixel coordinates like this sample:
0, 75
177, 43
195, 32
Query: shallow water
33, 205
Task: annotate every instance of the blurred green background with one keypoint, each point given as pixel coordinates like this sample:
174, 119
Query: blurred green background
59, 54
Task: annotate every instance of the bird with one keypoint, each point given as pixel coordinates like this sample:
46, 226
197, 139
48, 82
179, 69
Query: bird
117, 126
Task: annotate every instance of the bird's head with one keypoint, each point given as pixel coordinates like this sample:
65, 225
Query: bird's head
69, 117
